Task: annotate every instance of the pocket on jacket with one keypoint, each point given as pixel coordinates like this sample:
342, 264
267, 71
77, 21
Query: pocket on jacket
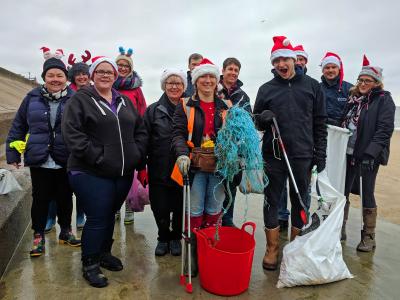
132, 156
111, 161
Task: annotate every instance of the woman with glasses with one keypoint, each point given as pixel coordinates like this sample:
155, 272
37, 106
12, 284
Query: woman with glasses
165, 194
106, 137
369, 115
129, 84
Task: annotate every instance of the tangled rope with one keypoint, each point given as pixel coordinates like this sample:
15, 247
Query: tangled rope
237, 148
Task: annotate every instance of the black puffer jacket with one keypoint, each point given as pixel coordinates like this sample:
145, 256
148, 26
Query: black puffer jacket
375, 127
299, 106
101, 142
180, 131
236, 96
160, 158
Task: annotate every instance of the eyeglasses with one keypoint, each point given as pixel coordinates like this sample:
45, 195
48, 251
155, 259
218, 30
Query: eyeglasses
172, 84
104, 73
366, 81
123, 66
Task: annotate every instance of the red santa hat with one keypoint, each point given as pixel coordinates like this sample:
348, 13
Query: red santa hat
98, 60
282, 48
374, 72
333, 58
299, 50
205, 67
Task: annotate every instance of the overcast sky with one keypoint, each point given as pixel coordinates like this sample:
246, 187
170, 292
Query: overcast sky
164, 33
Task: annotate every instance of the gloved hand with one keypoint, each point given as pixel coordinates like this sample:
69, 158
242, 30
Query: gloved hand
19, 146
320, 163
183, 162
368, 163
143, 177
264, 119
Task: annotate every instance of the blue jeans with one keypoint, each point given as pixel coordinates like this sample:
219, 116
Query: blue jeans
207, 194
101, 198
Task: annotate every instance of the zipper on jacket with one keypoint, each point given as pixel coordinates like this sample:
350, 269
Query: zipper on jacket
120, 135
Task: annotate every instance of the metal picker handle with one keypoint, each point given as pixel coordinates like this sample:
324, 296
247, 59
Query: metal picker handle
189, 287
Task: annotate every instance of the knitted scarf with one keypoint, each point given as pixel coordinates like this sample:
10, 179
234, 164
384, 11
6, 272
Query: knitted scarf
53, 96
357, 105
131, 82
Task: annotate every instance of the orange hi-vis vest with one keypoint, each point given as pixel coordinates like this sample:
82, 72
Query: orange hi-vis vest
190, 112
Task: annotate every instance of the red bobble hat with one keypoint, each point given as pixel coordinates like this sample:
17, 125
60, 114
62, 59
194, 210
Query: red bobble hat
282, 48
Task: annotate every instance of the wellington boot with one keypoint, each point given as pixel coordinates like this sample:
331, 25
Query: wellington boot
294, 231
367, 243
270, 260
343, 236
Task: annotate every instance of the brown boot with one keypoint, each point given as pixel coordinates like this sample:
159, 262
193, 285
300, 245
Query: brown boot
343, 236
270, 261
367, 243
294, 231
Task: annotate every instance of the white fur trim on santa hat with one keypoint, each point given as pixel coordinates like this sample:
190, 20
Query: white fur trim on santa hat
169, 72
330, 60
283, 53
98, 61
302, 53
204, 69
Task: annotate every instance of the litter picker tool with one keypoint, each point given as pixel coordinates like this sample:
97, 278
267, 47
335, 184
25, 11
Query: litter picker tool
304, 211
186, 237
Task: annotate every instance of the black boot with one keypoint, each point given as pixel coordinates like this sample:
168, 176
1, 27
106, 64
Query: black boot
193, 256
109, 261
92, 273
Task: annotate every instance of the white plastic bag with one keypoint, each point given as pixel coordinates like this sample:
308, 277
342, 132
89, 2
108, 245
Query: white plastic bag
8, 183
316, 257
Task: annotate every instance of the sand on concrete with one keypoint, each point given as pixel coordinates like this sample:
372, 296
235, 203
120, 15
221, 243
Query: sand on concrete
387, 189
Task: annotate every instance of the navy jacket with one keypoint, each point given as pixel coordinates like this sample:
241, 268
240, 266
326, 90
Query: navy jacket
336, 99
33, 117
190, 88
299, 106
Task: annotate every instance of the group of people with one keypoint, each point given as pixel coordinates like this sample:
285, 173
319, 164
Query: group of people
90, 137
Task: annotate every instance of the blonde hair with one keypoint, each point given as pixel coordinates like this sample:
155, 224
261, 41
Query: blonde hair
355, 91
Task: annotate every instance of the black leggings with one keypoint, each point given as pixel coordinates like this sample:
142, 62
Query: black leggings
165, 200
368, 183
48, 185
277, 173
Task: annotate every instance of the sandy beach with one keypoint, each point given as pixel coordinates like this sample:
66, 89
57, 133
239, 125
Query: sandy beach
387, 190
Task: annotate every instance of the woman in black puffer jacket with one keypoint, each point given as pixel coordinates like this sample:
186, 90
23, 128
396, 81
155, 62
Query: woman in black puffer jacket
369, 115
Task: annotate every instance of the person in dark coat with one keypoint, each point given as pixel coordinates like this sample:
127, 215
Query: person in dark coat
38, 122
165, 194
336, 90
193, 61
369, 115
230, 88
107, 140
297, 102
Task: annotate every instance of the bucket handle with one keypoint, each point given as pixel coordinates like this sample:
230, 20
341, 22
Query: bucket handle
252, 225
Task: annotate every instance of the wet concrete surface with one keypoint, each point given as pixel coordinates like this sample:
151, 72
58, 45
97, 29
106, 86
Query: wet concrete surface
57, 274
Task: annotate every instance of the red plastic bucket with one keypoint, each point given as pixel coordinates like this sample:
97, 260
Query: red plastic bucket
225, 265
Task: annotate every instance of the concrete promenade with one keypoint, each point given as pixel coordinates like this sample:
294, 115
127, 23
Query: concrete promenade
57, 274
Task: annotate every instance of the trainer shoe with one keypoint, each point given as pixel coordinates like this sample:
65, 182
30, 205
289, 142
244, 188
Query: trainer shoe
38, 245
161, 249
68, 238
51, 222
